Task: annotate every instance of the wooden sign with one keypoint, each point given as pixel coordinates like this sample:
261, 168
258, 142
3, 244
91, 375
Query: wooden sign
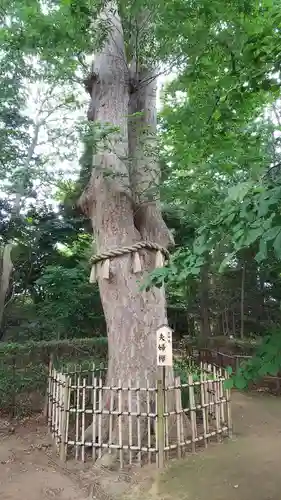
164, 347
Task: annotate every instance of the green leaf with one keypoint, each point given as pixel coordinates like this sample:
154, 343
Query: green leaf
271, 233
237, 234
240, 382
200, 246
263, 207
229, 370
229, 383
253, 235
277, 245
264, 369
230, 218
226, 261
195, 271
238, 192
262, 254
274, 369
217, 115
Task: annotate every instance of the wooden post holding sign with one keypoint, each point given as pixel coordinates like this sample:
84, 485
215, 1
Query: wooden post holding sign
164, 353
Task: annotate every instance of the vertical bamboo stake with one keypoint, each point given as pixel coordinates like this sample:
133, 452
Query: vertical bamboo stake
55, 405
155, 423
192, 408
54, 402
211, 391
166, 414
61, 385
47, 397
111, 409
67, 415
202, 390
221, 397
77, 417
160, 418
178, 412
228, 408
60, 412
57, 409
138, 419
63, 444
120, 416
92, 382
182, 433
100, 418
216, 401
206, 387
83, 419
94, 419
211, 394
148, 420
207, 399
50, 401
130, 420
74, 384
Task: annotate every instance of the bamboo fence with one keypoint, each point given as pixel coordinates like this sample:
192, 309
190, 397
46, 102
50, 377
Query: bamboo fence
141, 423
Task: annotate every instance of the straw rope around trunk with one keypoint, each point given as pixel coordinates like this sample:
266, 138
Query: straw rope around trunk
104, 257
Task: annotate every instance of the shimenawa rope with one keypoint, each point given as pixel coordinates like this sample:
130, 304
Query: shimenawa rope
117, 252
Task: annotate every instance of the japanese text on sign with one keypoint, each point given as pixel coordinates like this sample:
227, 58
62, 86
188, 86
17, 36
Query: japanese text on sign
164, 346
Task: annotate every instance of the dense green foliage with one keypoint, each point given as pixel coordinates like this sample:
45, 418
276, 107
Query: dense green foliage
50, 297
24, 369
220, 133
266, 361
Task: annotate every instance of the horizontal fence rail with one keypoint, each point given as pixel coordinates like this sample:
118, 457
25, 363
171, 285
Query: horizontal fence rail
142, 421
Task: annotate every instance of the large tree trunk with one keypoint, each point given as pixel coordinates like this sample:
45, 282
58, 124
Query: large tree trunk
116, 200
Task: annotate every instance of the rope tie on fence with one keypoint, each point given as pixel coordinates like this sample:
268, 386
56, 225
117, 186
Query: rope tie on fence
103, 258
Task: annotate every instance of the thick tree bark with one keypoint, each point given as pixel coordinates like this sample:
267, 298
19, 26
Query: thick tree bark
116, 201
143, 157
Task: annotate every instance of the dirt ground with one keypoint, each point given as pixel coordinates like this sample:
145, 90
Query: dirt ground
26, 469
244, 468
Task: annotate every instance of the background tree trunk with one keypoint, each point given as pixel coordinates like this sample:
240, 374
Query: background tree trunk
243, 271
6, 271
205, 330
7, 265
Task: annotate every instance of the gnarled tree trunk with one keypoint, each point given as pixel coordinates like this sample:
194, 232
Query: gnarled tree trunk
122, 200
